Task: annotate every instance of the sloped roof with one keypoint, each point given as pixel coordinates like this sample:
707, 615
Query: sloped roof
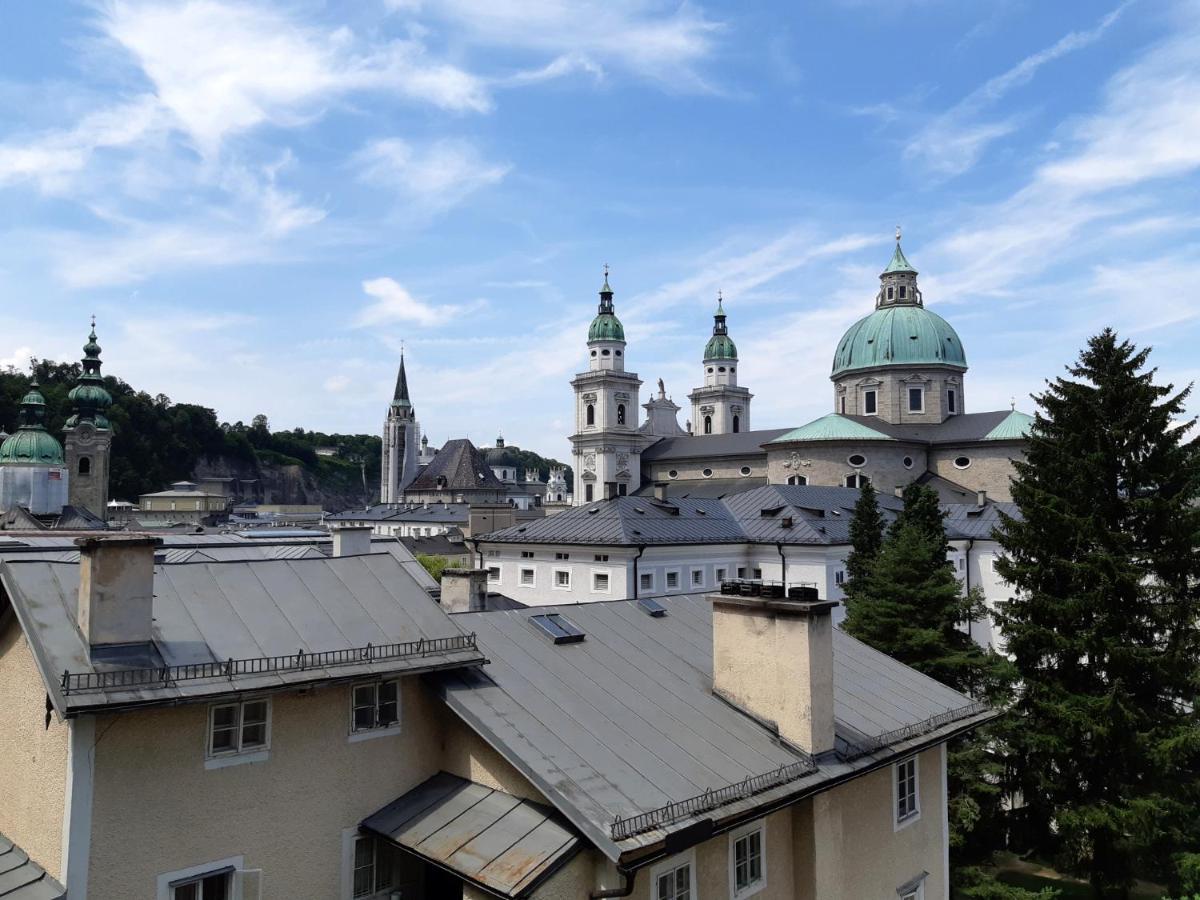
463, 467
833, 427
625, 721
960, 429
23, 879
708, 487
454, 513
711, 446
630, 520
1014, 427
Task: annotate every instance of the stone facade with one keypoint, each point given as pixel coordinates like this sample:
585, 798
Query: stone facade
941, 393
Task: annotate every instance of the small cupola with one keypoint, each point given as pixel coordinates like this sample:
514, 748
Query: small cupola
720, 346
606, 335
898, 281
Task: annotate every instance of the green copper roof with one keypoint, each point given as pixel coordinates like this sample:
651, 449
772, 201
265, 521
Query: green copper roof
720, 346
832, 428
1015, 426
32, 444
899, 335
89, 399
606, 327
899, 262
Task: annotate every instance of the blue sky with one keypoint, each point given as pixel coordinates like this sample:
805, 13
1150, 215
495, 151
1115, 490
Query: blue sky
260, 201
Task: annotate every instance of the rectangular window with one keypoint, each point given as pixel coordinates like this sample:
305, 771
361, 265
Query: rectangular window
217, 886
905, 783
238, 727
758, 574
903, 291
494, 573
950, 402
741, 571
721, 573
374, 706
600, 582
697, 578
374, 866
587, 493
601, 557
562, 578
747, 862
672, 580
916, 399
869, 407
839, 577
674, 883
527, 577
562, 555
646, 581
526, 554
913, 890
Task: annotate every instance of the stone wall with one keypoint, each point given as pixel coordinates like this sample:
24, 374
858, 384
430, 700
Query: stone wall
891, 393
827, 463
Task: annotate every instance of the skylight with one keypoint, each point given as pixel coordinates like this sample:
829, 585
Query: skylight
558, 628
651, 607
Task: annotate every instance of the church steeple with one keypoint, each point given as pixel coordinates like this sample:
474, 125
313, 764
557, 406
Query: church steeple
898, 281
400, 395
89, 399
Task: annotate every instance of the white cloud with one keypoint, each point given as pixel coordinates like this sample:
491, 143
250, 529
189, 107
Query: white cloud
18, 359
394, 304
955, 140
336, 384
437, 176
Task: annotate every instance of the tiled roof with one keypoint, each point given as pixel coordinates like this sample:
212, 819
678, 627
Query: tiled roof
23, 879
463, 467
630, 520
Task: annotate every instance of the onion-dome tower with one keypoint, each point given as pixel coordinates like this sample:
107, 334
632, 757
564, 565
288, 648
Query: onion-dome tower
33, 474
720, 406
88, 434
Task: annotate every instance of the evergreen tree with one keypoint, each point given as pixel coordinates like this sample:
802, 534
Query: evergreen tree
1103, 627
866, 539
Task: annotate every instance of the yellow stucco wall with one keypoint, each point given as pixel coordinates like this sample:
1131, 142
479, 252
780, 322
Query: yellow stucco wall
33, 758
158, 809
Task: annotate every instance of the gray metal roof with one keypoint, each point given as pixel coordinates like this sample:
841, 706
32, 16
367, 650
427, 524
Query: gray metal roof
630, 521
208, 613
714, 488
488, 837
23, 879
452, 513
462, 466
625, 721
712, 446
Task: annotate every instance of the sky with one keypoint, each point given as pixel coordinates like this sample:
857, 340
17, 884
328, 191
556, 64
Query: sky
263, 202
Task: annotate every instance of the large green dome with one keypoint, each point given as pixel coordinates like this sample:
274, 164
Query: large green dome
899, 335
720, 346
606, 327
32, 444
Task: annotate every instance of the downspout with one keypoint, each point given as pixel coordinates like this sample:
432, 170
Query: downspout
630, 876
782, 566
641, 550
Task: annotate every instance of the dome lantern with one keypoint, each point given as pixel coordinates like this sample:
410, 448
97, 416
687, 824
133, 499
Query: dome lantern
720, 346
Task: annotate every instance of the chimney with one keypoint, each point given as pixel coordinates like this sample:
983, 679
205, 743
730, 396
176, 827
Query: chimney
351, 540
116, 588
610, 490
898, 490
660, 490
981, 498
773, 658
464, 590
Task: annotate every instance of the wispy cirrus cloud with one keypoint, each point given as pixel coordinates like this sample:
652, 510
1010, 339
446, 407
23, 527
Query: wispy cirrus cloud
437, 175
392, 304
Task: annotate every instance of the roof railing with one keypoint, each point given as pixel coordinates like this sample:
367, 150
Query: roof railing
915, 730
168, 676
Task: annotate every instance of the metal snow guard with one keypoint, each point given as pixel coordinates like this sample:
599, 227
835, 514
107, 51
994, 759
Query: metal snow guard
165, 676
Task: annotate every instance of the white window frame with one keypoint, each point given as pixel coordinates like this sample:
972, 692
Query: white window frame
555, 583
692, 582
839, 577
722, 574
736, 835
914, 889
909, 397
670, 864
350, 837
607, 581
667, 580
375, 731
532, 582
875, 394
238, 756
951, 402
642, 586
162, 884
914, 815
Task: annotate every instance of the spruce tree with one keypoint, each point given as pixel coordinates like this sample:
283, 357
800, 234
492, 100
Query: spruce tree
866, 539
1104, 623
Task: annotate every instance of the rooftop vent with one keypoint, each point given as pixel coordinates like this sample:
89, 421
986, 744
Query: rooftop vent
652, 608
786, 522
771, 511
558, 628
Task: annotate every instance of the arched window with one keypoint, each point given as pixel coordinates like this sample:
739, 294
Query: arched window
856, 480
591, 414
797, 479
708, 424
737, 424
620, 413
85, 465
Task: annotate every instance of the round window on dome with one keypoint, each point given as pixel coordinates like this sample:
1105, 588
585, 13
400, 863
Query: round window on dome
732, 370
604, 352
616, 352
707, 473
710, 370
857, 460
674, 473
962, 462
908, 462
745, 470
720, 368
593, 353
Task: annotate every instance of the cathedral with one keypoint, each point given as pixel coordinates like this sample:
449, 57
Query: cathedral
899, 414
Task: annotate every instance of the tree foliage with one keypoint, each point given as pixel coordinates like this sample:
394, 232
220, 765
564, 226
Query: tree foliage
1104, 624
866, 540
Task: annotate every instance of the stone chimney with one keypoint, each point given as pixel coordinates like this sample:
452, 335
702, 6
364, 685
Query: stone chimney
981, 498
351, 540
484, 518
116, 588
464, 590
660, 490
774, 659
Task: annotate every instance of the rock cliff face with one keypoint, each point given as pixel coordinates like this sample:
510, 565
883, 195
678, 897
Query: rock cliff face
270, 482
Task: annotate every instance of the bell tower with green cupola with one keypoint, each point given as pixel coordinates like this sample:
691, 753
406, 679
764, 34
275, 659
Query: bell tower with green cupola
606, 445
720, 406
88, 435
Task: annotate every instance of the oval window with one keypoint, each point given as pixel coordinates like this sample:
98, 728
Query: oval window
962, 462
674, 473
720, 368
732, 370
856, 460
604, 352
908, 462
593, 353
616, 353
710, 370
707, 473
745, 470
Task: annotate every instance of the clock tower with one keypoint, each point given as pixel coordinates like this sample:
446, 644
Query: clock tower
88, 435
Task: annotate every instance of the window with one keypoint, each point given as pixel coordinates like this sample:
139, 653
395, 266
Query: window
527, 578
707, 473
962, 462
646, 581
600, 582
562, 578
216, 886
601, 557
374, 866
374, 706
904, 783
85, 465
562, 555
914, 890
797, 479
839, 577
908, 462
962, 563
674, 473
708, 424
757, 574
951, 402
737, 424
593, 353
235, 728
745, 470
616, 353
856, 480
697, 578
916, 399
591, 414
869, 406
747, 861
494, 574
857, 460
674, 879
620, 413
622, 489
720, 368
710, 370
587, 493
843, 406
526, 554
891, 293
741, 571
672, 580
721, 573
605, 352
903, 291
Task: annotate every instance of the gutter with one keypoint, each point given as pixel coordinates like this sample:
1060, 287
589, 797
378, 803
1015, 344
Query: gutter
641, 550
782, 565
630, 877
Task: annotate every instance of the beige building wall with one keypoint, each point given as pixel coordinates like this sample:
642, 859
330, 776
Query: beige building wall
827, 463
693, 469
158, 809
891, 394
33, 757
991, 467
